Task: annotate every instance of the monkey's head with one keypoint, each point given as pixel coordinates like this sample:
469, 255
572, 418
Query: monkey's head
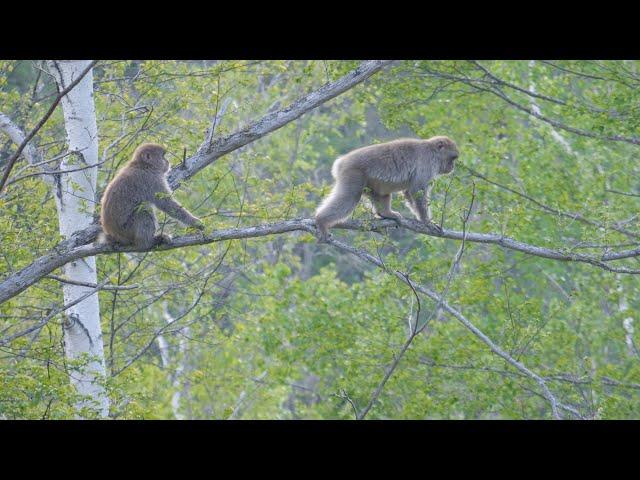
446, 151
151, 156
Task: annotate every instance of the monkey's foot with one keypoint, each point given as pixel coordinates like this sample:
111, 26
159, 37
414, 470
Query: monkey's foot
391, 215
162, 238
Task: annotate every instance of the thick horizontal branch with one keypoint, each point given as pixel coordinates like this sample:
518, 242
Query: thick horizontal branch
506, 242
75, 247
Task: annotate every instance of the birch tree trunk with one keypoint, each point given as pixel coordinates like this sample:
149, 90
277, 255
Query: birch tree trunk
75, 201
164, 356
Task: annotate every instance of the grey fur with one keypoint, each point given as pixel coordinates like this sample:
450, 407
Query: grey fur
127, 216
406, 165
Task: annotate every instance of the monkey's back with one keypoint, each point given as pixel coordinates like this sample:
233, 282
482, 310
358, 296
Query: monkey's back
392, 163
124, 194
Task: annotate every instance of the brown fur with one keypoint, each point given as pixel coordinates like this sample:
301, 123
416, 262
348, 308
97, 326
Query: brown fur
127, 216
405, 165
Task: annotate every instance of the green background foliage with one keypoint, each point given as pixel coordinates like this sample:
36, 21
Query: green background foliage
281, 327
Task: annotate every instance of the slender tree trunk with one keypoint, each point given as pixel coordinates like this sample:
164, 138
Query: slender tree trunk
75, 200
180, 358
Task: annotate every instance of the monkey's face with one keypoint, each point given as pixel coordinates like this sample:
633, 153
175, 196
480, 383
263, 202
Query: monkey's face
448, 153
155, 159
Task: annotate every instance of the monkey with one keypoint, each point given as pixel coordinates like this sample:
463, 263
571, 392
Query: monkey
126, 216
405, 165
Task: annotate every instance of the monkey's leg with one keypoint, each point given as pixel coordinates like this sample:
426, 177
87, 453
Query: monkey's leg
144, 230
382, 206
340, 203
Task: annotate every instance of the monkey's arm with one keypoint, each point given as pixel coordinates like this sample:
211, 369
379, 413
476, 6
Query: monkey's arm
167, 204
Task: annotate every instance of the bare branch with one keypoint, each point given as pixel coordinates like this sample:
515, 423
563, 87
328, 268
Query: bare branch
562, 126
629, 194
92, 285
17, 136
490, 87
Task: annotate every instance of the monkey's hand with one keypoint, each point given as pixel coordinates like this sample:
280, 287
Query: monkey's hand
391, 215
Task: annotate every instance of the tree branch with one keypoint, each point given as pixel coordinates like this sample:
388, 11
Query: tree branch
414, 331
44, 321
209, 152
455, 313
206, 155
572, 216
493, 89
77, 247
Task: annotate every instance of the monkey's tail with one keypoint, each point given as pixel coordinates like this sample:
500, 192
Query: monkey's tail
341, 201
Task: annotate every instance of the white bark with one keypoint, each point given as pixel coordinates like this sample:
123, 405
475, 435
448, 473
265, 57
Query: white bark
17, 136
75, 201
627, 323
536, 109
164, 355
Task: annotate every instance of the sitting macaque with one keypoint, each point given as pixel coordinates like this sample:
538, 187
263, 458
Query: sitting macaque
404, 165
127, 216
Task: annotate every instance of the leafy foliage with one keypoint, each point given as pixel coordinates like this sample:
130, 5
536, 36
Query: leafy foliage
281, 327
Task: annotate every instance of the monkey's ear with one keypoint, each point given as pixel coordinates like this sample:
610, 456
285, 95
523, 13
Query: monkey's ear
440, 145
